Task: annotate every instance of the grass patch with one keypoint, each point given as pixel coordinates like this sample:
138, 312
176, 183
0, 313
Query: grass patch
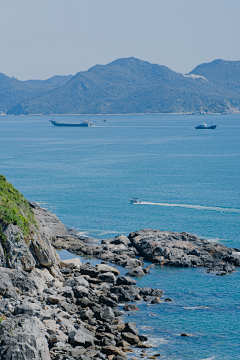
14, 209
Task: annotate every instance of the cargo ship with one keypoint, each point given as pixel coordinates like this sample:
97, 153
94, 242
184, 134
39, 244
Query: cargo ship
84, 123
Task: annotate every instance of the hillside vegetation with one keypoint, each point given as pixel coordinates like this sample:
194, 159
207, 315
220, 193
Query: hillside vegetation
131, 86
14, 209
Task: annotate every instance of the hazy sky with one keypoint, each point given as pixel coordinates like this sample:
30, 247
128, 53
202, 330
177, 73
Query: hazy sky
42, 38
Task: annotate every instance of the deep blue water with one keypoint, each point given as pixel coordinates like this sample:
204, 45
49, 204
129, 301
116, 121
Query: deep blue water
86, 176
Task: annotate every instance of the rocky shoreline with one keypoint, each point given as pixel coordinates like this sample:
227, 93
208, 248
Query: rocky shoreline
65, 310
165, 248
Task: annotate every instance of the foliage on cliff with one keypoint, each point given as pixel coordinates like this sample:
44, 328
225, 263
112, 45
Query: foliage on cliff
14, 209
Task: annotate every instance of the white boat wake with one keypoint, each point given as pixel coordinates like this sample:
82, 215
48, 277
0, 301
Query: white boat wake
198, 207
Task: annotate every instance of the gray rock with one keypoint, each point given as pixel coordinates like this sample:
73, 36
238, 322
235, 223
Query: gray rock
77, 281
131, 327
130, 338
16, 249
108, 277
107, 315
124, 280
74, 263
138, 271
108, 301
24, 281
80, 291
88, 269
6, 286
23, 338
80, 338
25, 309
125, 292
103, 268
180, 249
121, 239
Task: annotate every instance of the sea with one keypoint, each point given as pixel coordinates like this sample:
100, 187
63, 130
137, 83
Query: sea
187, 179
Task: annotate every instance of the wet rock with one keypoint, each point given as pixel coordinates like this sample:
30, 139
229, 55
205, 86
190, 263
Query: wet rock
107, 277
125, 292
124, 280
142, 345
131, 327
130, 308
138, 271
130, 338
113, 350
108, 301
157, 300
143, 338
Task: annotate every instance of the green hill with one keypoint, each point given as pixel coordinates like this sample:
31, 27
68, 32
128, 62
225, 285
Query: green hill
13, 91
222, 73
131, 85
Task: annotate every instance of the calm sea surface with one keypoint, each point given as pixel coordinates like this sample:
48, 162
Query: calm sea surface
188, 180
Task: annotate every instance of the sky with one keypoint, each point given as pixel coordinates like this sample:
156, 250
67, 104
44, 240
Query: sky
43, 38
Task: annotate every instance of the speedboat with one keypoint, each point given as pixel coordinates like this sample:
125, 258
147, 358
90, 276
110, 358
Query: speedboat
135, 201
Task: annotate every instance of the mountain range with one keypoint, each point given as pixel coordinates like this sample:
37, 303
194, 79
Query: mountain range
127, 86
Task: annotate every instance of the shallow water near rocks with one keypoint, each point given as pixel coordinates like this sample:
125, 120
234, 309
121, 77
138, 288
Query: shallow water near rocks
187, 179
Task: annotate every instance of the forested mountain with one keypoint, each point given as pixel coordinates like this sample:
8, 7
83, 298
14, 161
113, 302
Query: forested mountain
222, 73
13, 91
131, 85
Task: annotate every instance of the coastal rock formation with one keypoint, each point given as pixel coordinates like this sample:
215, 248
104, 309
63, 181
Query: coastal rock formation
77, 320
184, 250
57, 310
160, 247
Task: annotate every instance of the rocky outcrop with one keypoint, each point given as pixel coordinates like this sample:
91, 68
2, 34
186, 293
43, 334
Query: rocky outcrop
184, 250
76, 319
18, 254
23, 337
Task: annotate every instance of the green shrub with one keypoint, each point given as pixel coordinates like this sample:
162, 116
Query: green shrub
14, 209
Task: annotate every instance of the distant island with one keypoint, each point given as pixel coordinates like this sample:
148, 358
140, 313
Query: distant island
127, 86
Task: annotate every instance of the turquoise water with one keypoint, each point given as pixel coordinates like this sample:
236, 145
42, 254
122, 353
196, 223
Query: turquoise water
187, 179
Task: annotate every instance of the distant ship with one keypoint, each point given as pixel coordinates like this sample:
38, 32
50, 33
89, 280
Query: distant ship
84, 123
204, 126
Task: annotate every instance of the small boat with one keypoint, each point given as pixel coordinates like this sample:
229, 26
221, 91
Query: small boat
204, 126
135, 201
84, 123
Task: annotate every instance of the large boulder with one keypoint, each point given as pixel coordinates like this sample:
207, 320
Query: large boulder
17, 251
74, 263
23, 338
24, 282
80, 338
6, 286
